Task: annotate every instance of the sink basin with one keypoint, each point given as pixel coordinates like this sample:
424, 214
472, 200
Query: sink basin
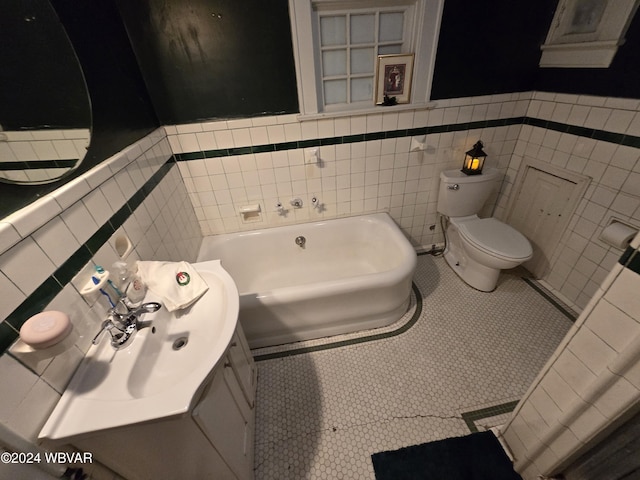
161, 373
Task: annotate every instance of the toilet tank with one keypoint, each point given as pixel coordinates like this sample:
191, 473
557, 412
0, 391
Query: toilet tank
469, 196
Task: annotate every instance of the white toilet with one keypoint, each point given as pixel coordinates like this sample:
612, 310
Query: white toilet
477, 248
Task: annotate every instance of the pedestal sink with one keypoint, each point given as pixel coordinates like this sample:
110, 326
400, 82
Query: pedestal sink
161, 374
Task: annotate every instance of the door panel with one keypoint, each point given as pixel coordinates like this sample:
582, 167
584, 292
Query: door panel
541, 211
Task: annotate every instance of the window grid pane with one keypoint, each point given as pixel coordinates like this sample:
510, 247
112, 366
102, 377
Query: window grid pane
362, 60
361, 89
352, 41
391, 26
334, 62
333, 30
389, 49
362, 28
335, 91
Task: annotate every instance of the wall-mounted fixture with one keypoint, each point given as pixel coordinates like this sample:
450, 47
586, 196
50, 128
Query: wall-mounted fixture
280, 209
296, 202
250, 213
474, 160
317, 204
123, 246
312, 156
618, 234
418, 143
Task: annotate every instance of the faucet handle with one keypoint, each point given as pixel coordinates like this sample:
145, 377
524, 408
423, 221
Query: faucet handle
107, 325
148, 307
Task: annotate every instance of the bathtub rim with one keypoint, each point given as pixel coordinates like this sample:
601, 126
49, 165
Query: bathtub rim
405, 268
220, 238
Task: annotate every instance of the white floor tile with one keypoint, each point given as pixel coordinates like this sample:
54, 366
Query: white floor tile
320, 415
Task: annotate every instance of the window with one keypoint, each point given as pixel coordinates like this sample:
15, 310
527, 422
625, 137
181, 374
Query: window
336, 44
348, 45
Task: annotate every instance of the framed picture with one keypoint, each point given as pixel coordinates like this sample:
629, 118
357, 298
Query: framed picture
393, 79
586, 33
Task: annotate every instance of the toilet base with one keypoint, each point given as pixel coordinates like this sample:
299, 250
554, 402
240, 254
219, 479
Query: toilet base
472, 273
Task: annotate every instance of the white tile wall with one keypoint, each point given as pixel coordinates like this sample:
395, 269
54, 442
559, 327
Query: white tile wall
589, 382
351, 179
581, 260
40, 239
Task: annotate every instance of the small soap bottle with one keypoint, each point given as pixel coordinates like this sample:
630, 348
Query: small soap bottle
122, 275
130, 283
136, 290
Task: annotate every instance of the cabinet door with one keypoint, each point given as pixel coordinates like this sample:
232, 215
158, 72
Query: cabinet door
243, 365
222, 422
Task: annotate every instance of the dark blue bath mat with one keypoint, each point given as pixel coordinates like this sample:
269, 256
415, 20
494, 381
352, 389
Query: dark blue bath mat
478, 456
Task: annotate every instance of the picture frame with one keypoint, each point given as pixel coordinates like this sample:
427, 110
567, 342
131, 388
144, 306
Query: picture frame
394, 74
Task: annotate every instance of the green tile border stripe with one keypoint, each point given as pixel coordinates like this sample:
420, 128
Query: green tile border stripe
626, 256
548, 296
631, 259
38, 164
471, 417
362, 137
52, 286
354, 341
617, 138
634, 264
8, 335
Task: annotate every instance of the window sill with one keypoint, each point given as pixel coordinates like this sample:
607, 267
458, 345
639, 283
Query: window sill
367, 111
579, 55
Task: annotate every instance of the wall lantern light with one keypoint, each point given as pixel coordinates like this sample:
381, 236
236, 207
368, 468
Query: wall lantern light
474, 160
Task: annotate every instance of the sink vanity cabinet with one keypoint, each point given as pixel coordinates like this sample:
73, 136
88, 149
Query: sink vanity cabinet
226, 413
178, 402
213, 440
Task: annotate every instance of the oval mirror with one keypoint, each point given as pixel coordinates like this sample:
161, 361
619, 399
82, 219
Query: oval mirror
45, 112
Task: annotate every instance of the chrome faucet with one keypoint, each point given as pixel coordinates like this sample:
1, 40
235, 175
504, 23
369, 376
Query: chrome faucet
122, 325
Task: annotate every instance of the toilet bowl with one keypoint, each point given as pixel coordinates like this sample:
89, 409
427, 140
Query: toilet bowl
477, 248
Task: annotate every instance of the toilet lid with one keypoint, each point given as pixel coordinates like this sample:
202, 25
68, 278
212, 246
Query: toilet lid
496, 237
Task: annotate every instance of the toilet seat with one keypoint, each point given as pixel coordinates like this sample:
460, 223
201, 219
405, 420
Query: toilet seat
495, 238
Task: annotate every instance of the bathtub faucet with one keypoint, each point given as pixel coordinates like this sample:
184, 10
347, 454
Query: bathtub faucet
296, 202
300, 241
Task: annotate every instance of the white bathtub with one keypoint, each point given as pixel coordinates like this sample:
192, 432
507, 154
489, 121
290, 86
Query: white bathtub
352, 274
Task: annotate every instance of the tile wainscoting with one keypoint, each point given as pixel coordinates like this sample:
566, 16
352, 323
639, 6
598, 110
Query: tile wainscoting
367, 166
50, 251
593, 136
590, 383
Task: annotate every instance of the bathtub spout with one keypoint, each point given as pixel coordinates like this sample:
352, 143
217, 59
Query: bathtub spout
300, 241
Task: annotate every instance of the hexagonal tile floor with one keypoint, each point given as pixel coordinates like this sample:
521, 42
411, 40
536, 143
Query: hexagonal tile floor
322, 409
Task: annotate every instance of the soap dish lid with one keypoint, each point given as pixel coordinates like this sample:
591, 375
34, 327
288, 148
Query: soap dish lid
45, 329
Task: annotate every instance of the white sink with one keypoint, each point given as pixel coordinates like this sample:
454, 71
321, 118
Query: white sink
160, 374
